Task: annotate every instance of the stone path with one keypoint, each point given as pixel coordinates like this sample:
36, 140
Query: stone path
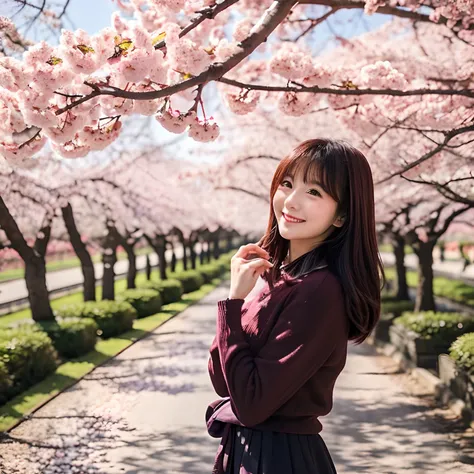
143, 412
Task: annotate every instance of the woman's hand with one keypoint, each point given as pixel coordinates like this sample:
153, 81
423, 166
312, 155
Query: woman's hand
247, 265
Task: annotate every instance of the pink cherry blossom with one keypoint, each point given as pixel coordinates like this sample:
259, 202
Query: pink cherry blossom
292, 103
243, 102
203, 130
291, 62
174, 121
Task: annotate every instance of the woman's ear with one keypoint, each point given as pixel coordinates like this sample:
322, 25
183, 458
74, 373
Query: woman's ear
339, 221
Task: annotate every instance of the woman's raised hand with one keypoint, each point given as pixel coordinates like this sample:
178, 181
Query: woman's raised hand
249, 262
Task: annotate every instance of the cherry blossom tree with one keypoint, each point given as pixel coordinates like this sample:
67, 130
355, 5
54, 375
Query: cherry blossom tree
75, 95
26, 216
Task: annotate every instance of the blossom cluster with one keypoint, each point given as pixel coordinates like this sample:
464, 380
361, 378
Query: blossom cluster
42, 95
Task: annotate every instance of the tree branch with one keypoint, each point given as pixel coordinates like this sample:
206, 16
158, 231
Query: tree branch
385, 10
272, 17
13, 233
444, 189
448, 136
251, 193
342, 91
314, 22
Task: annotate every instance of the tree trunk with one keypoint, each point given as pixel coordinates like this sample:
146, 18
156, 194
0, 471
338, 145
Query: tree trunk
208, 251
201, 253
216, 249
193, 255
158, 243
398, 243
229, 242
108, 278
173, 260
185, 255
35, 267
441, 252
132, 268
109, 258
159, 246
132, 264
87, 266
148, 267
424, 293
38, 296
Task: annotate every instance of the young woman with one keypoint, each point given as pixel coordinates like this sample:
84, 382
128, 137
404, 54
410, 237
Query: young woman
276, 357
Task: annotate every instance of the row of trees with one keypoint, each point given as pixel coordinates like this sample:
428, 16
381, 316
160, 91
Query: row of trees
113, 207
402, 92
145, 197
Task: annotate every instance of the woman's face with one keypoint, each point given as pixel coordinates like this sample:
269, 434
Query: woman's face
308, 202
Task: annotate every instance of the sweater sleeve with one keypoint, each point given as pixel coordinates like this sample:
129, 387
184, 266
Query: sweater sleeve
215, 370
307, 331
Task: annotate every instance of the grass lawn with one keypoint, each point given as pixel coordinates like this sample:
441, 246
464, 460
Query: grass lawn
73, 370
55, 265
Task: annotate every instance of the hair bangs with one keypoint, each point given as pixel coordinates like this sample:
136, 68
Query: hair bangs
318, 165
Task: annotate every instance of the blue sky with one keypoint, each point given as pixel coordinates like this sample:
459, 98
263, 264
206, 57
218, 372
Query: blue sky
91, 15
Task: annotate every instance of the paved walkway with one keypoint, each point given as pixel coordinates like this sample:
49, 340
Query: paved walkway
143, 412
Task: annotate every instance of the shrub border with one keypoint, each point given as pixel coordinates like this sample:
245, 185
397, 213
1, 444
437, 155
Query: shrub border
140, 330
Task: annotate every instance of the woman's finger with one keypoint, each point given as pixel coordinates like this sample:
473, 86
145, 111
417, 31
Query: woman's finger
258, 262
246, 250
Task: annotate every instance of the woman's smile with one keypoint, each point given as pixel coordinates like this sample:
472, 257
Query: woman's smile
292, 220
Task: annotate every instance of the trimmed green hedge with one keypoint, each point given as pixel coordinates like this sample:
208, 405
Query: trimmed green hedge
28, 355
191, 280
211, 271
462, 351
112, 317
72, 337
6, 382
445, 327
170, 290
145, 301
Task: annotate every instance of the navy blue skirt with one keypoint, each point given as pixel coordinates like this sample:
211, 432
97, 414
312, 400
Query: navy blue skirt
247, 451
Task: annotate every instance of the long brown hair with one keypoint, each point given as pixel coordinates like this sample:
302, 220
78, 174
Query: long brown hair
350, 251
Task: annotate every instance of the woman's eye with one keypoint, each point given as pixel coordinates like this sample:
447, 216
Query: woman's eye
315, 190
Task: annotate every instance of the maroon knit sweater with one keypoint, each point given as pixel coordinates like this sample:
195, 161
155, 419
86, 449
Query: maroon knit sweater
278, 355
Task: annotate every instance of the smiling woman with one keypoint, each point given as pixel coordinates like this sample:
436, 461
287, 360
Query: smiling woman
327, 184
278, 355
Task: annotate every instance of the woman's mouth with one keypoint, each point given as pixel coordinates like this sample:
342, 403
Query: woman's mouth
291, 219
